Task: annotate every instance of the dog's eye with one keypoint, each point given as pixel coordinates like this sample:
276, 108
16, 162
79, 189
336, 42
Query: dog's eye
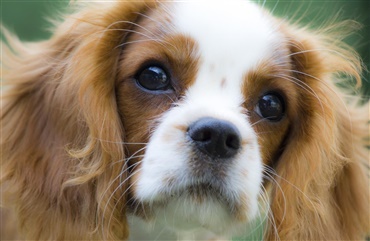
153, 78
271, 106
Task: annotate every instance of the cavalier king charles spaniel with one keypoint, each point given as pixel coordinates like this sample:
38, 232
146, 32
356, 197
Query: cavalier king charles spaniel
151, 120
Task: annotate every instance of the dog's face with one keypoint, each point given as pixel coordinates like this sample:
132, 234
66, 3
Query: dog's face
204, 103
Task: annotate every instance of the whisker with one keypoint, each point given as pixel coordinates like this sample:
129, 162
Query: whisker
259, 121
121, 142
338, 97
136, 41
268, 173
304, 86
108, 28
269, 215
298, 82
121, 196
265, 132
115, 179
126, 160
316, 50
118, 200
162, 26
150, 37
276, 4
134, 155
262, 218
272, 172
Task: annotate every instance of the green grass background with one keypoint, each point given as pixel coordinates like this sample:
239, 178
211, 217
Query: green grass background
27, 18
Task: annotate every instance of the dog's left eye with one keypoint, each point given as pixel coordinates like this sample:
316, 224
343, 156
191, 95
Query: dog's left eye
153, 78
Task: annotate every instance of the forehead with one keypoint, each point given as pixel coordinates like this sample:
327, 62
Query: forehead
205, 41
232, 35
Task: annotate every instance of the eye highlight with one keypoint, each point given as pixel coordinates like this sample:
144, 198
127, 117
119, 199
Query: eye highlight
153, 78
271, 106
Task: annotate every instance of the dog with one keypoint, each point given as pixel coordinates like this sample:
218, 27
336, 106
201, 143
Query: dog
143, 120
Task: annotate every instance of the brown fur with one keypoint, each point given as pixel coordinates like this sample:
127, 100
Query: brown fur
61, 130
321, 190
66, 115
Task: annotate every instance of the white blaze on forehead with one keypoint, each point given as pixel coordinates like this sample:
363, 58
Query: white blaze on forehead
233, 37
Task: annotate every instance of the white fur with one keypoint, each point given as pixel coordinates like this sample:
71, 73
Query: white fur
233, 37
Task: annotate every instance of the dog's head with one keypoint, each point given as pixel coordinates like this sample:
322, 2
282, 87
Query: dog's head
198, 115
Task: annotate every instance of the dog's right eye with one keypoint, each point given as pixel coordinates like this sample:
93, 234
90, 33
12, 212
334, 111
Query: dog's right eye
271, 106
153, 78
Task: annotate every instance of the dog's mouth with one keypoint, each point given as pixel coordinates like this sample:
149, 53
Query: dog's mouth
201, 192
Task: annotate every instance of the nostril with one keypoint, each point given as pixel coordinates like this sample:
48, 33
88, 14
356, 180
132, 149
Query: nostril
216, 138
201, 134
233, 141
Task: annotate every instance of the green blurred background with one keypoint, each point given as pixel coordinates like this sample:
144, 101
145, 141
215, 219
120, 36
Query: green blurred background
27, 18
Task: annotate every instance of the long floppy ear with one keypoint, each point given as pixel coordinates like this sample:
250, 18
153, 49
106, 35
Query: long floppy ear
61, 138
321, 190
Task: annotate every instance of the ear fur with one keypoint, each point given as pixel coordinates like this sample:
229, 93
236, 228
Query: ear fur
321, 190
62, 153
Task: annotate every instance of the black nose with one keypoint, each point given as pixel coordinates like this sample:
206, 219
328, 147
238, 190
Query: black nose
214, 137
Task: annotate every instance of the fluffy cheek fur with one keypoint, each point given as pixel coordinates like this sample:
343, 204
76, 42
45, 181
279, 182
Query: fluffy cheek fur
77, 131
